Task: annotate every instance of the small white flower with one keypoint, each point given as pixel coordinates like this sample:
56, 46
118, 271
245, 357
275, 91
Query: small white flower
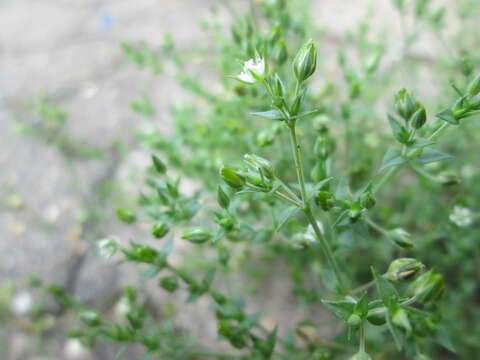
107, 248
21, 303
122, 308
253, 70
461, 216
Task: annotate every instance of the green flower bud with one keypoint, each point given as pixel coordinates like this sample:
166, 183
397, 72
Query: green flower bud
354, 320
278, 88
90, 318
419, 118
323, 147
222, 198
160, 229
405, 104
197, 236
428, 287
260, 163
265, 138
372, 63
232, 177
126, 216
367, 201
401, 237
361, 355
325, 200
377, 318
474, 86
404, 269
169, 283
305, 61
318, 172
159, 165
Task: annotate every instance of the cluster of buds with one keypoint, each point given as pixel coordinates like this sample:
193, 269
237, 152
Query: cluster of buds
258, 176
410, 109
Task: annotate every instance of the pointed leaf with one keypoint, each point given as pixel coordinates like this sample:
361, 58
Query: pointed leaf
286, 214
393, 157
342, 309
448, 116
270, 114
430, 155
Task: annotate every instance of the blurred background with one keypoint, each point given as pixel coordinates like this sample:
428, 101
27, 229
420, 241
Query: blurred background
55, 178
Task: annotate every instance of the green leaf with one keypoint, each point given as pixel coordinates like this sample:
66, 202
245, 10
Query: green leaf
159, 165
286, 214
420, 142
342, 309
443, 338
307, 114
361, 308
385, 289
393, 157
448, 116
207, 280
430, 155
395, 333
400, 133
270, 114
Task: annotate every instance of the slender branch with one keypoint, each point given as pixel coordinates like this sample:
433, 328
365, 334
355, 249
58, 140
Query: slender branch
298, 164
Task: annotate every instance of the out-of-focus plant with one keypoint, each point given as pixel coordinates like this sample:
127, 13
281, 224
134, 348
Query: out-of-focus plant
368, 214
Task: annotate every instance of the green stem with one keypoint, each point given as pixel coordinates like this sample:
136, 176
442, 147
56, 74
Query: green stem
362, 288
362, 337
326, 249
298, 164
308, 212
284, 197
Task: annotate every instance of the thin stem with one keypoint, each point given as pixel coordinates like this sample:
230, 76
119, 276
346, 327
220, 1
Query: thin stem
362, 288
284, 197
326, 249
298, 164
287, 188
362, 337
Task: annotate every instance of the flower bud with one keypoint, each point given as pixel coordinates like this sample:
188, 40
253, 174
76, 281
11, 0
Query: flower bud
159, 165
222, 198
305, 61
323, 146
260, 163
401, 237
160, 229
90, 318
265, 138
169, 283
197, 236
325, 200
126, 216
419, 118
427, 287
232, 177
474, 86
354, 320
405, 104
278, 88
367, 201
361, 355
318, 172
404, 269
